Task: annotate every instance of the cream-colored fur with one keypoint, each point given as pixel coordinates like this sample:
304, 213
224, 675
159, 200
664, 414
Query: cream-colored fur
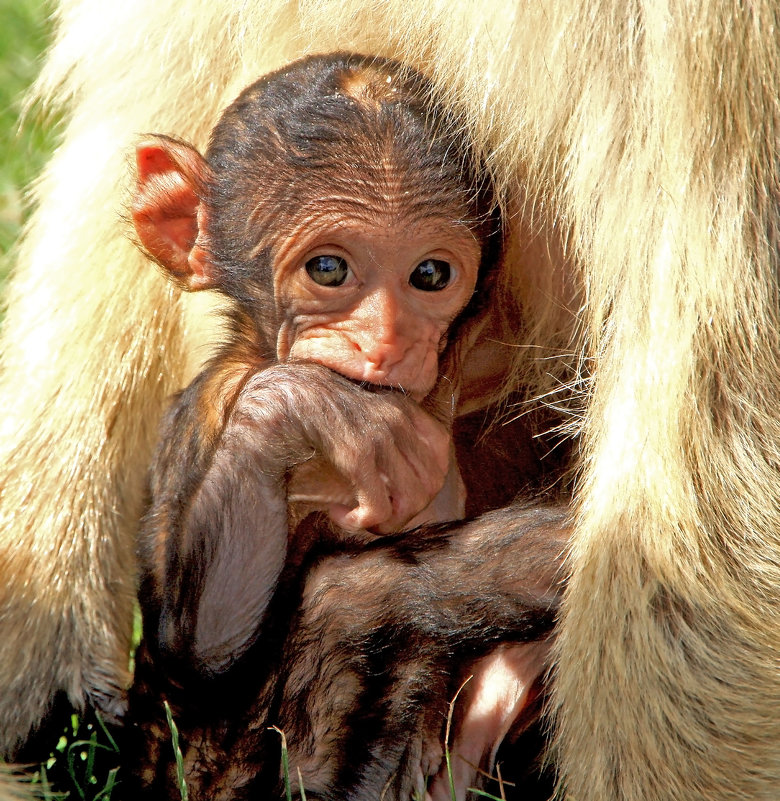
636, 146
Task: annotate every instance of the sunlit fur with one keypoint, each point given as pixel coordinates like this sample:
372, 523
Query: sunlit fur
636, 145
14, 786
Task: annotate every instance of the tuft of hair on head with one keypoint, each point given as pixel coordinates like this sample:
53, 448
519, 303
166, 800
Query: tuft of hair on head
370, 84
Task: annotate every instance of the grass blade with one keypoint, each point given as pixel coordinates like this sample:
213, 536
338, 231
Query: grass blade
177, 753
447, 757
285, 764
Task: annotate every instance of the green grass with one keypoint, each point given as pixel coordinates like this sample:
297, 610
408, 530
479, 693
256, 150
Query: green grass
82, 764
24, 33
180, 778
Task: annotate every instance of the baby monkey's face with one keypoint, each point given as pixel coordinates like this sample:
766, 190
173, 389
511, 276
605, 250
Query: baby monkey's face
371, 294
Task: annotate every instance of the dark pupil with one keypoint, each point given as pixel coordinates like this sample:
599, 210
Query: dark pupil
430, 275
327, 270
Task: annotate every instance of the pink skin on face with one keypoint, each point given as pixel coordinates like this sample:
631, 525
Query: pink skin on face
375, 326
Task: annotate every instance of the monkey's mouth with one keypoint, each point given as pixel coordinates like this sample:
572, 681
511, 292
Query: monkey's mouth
379, 389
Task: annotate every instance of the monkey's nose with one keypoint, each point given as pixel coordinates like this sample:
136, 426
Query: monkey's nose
387, 363
383, 356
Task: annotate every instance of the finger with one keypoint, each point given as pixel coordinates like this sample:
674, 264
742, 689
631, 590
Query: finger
417, 465
418, 475
407, 506
342, 516
449, 504
374, 505
434, 440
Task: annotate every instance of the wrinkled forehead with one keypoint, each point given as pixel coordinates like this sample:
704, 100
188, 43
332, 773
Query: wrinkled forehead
380, 197
376, 205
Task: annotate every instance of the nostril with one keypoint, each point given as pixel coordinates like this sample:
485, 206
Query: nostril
379, 357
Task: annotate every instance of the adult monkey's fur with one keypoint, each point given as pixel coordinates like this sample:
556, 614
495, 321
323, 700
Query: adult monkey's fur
639, 139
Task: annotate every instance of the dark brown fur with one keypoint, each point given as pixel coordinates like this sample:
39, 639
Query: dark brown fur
362, 650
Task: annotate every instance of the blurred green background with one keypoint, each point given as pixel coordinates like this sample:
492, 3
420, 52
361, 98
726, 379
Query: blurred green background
24, 34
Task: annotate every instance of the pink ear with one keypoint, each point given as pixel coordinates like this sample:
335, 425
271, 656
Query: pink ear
167, 211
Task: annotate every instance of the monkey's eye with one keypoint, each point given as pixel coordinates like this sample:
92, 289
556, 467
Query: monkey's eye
327, 270
431, 275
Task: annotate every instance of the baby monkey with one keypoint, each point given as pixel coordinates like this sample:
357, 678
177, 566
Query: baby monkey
342, 212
